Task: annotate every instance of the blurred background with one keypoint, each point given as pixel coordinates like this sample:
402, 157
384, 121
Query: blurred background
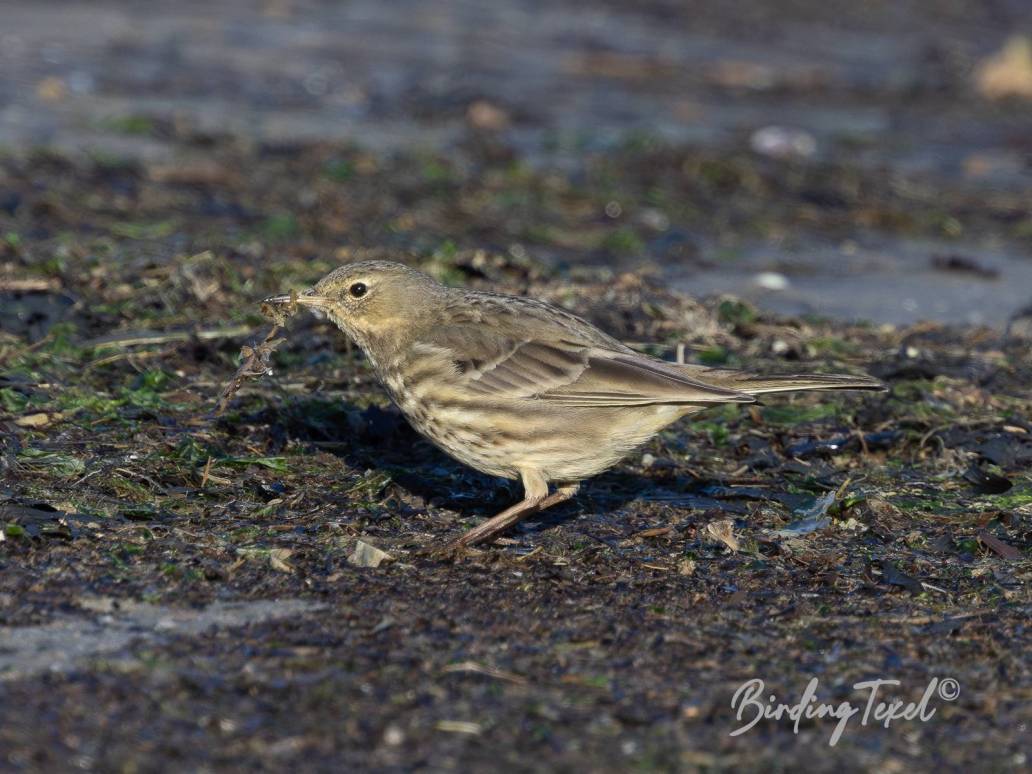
857, 160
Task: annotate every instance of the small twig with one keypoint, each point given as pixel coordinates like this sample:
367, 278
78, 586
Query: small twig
487, 671
128, 355
143, 477
207, 472
142, 338
967, 424
864, 448
29, 284
525, 557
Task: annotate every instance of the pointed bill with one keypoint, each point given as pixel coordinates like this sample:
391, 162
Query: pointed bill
282, 298
306, 298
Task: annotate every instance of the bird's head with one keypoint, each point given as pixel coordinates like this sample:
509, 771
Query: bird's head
370, 300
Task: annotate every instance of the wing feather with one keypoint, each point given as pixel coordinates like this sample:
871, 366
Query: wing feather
575, 375
511, 349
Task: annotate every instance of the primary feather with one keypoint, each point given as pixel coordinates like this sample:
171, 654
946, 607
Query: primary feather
517, 348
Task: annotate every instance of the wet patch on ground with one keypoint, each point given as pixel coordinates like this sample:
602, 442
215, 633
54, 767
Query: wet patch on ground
70, 642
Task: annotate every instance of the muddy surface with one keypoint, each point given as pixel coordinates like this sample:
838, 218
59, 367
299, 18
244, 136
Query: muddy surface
186, 591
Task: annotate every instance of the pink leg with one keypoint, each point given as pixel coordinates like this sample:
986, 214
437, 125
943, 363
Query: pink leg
536, 498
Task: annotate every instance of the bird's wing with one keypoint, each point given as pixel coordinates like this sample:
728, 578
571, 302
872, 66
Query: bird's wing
570, 372
630, 379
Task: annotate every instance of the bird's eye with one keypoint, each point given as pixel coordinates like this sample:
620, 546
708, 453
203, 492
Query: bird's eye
358, 290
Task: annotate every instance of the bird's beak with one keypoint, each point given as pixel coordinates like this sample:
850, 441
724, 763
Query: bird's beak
305, 298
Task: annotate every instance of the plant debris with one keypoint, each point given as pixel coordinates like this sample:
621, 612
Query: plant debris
723, 531
367, 555
811, 518
1001, 548
279, 313
254, 365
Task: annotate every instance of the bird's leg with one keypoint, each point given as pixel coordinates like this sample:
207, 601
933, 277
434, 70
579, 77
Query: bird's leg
536, 498
562, 493
535, 491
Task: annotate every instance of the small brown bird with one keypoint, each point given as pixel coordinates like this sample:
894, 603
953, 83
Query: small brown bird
518, 388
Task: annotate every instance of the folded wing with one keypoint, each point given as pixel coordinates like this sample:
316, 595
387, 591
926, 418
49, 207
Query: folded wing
571, 374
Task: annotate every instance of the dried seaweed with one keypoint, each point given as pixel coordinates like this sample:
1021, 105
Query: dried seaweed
256, 357
255, 365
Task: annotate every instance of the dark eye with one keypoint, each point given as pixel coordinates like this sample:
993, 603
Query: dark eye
358, 290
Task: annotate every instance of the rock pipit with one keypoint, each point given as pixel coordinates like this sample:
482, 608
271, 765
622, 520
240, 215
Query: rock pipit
518, 388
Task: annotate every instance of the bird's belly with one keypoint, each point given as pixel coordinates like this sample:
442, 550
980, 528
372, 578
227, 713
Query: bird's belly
461, 431
465, 438
592, 440
563, 444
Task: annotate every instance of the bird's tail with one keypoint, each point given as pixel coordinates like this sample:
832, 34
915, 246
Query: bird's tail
754, 384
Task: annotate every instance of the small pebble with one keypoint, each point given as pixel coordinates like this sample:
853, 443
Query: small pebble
771, 280
783, 142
